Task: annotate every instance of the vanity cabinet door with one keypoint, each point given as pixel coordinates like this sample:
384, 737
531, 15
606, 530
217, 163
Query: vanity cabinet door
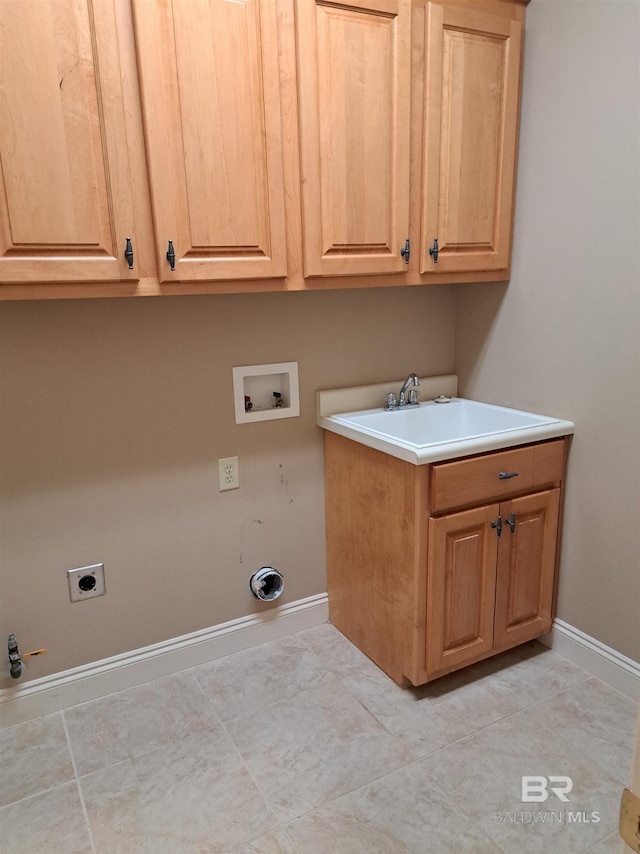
490, 588
354, 79
66, 207
472, 82
526, 568
462, 560
209, 79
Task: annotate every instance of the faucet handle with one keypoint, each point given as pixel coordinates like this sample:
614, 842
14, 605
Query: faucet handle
413, 395
390, 400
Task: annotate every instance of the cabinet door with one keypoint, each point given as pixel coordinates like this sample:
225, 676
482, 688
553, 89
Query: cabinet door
66, 207
211, 104
471, 122
526, 568
461, 587
353, 71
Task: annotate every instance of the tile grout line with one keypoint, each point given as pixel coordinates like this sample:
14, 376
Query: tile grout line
622, 696
582, 753
37, 794
328, 672
550, 729
463, 814
544, 727
340, 680
78, 786
244, 763
255, 783
150, 751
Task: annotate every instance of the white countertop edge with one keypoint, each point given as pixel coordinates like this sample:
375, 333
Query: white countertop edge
451, 450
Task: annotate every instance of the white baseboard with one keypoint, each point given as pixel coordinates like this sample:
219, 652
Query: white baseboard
602, 661
90, 681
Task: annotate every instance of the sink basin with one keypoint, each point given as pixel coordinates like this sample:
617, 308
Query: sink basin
437, 431
432, 423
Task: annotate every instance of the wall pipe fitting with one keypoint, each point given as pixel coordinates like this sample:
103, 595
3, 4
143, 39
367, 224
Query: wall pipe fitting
15, 661
266, 584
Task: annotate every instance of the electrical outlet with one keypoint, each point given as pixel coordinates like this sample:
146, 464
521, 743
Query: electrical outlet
228, 473
86, 582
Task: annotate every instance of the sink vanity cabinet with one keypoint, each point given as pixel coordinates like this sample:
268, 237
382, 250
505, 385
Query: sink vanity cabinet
433, 567
493, 523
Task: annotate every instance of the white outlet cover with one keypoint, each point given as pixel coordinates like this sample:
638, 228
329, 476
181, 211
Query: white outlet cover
228, 473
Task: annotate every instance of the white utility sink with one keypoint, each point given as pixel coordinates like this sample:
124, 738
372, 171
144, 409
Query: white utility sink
438, 431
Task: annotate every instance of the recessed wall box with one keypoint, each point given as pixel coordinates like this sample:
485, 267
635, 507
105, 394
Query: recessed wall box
272, 389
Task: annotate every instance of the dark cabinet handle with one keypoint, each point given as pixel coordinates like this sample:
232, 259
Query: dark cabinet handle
406, 251
511, 522
433, 250
498, 526
507, 475
128, 252
171, 255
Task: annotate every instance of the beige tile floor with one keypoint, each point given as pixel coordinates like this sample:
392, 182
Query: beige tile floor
302, 746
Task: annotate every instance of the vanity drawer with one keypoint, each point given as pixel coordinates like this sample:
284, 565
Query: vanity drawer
476, 480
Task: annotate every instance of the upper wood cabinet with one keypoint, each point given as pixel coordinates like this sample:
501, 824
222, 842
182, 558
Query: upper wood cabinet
209, 80
66, 207
255, 145
354, 98
471, 94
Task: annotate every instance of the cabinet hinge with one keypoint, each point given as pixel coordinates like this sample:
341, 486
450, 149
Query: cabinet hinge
406, 251
498, 526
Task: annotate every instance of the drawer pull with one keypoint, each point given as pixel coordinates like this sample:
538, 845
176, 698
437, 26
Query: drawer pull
506, 475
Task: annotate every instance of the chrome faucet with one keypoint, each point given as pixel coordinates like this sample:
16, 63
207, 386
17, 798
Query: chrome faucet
401, 402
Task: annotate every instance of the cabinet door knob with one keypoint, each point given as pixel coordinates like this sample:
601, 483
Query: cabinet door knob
507, 475
498, 526
433, 250
171, 255
511, 522
128, 252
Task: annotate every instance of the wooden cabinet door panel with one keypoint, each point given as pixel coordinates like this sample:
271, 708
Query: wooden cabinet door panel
209, 78
354, 78
470, 137
526, 568
461, 587
66, 206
